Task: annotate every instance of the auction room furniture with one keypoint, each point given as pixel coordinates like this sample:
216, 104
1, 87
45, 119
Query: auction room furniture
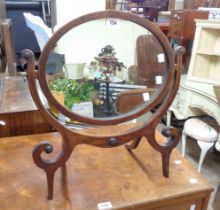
92, 176
109, 130
198, 92
204, 134
147, 8
17, 109
182, 29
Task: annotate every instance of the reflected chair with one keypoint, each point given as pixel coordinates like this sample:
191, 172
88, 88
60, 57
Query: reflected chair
147, 49
128, 100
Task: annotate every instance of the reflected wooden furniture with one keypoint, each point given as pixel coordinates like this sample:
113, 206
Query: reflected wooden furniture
128, 100
148, 64
129, 180
18, 109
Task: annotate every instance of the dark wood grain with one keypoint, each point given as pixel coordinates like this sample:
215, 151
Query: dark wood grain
147, 60
16, 96
129, 180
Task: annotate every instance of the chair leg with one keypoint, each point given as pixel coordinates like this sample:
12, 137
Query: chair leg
204, 146
168, 117
183, 143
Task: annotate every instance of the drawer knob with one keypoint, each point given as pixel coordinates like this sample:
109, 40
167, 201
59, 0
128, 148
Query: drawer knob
112, 141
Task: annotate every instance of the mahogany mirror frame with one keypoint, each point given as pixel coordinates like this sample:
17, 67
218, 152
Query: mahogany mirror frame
102, 138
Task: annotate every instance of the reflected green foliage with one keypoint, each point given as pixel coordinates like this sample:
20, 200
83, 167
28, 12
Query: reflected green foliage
74, 91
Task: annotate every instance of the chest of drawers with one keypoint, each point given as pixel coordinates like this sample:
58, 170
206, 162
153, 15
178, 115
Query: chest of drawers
182, 24
182, 29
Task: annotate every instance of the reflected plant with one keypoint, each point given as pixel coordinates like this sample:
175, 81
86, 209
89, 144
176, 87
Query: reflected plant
74, 91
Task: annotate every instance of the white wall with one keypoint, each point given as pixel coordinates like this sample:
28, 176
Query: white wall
83, 43
67, 10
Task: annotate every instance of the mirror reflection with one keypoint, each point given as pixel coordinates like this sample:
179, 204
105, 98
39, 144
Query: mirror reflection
105, 68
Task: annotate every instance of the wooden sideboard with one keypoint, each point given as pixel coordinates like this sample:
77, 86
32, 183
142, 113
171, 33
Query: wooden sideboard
129, 180
18, 110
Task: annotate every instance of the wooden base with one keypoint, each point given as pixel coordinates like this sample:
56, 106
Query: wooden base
129, 180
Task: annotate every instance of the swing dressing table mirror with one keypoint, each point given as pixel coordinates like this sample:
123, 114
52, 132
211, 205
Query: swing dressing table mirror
126, 82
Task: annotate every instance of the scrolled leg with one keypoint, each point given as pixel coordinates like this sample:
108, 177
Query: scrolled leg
50, 181
50, 166
173, 138
165, 164
165, 148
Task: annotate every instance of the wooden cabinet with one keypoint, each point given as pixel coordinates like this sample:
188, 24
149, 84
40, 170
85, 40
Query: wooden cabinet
182, 25
205, 60
17, 109
182, 29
